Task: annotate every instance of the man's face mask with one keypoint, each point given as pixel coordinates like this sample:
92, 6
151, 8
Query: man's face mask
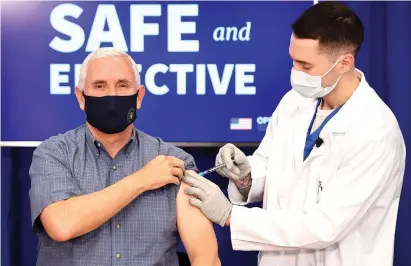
310, 86
111, 114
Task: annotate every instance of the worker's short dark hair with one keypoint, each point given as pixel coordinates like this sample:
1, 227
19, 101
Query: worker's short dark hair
335, 26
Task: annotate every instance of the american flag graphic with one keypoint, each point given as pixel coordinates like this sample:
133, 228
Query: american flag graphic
241, 124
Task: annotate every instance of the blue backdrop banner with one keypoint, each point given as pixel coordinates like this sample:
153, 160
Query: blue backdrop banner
214, 71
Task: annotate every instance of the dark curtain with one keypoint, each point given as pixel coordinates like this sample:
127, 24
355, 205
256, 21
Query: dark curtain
386, 60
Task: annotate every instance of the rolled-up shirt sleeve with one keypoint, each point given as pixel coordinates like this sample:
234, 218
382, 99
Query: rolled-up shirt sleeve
51, 180
189, 162
170, 150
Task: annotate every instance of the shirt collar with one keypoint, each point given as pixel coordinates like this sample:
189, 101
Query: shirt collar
96, 146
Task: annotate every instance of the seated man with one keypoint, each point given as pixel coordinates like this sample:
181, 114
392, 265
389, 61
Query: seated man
106, 193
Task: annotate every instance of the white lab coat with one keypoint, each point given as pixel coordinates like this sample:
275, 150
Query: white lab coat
360, 165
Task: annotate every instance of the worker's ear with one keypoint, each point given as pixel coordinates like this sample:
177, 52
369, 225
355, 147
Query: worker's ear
347, 62
140, 95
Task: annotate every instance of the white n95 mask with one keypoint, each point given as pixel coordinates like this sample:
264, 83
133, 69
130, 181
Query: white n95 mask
310, 86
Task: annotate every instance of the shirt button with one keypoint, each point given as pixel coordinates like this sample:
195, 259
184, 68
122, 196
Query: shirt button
114, 167
118, 226
118, 255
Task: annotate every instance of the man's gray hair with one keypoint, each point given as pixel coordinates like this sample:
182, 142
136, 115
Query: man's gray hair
101, 53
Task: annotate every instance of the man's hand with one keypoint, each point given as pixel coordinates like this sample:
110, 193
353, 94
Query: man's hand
237, 166
161, 171
209, 198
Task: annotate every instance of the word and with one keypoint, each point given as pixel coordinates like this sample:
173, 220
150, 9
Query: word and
233, 33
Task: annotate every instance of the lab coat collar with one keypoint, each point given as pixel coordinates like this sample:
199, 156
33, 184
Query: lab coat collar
342, 120
338, 125
344, 117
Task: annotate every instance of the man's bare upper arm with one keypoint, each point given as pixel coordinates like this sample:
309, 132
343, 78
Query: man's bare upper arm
196, 231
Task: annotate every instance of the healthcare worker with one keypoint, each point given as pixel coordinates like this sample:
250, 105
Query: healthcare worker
330, 167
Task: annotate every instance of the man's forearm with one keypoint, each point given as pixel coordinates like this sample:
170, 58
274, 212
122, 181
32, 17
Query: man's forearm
79, 215
206, 261
244, 185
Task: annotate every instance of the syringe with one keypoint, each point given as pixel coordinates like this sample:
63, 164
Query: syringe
212, 169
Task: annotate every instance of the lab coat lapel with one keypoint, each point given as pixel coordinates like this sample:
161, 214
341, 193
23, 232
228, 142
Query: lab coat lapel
338, 125
300, 128
327, 138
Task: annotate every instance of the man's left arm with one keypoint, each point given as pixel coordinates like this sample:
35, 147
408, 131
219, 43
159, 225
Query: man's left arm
196, 232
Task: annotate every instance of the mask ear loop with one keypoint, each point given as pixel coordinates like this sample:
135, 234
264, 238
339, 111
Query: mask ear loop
335, 83
333, 68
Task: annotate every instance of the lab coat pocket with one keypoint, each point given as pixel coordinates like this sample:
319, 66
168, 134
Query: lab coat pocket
323, 179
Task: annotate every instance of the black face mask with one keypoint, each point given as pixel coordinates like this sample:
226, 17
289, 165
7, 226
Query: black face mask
111, 114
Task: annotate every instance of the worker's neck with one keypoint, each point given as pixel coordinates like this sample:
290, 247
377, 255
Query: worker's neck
112, 143
345, 88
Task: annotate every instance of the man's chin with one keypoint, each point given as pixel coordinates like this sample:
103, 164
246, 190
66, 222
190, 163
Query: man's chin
95, 130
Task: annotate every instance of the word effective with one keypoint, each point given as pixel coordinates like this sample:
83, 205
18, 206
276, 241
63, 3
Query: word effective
60, 75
